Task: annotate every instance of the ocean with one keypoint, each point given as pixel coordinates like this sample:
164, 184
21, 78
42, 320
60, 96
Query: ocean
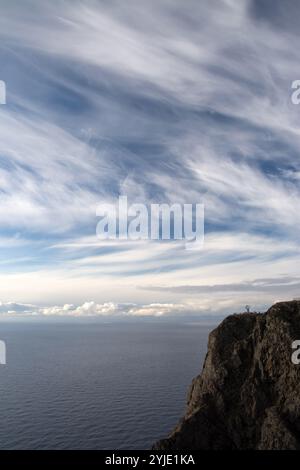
95, 385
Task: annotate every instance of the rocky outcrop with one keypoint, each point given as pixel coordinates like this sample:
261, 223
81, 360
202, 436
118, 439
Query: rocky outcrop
248, 394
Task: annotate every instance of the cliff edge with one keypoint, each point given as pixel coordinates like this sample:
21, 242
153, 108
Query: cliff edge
248, 394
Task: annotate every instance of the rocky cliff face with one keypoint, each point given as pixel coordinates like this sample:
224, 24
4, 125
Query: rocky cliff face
248, 394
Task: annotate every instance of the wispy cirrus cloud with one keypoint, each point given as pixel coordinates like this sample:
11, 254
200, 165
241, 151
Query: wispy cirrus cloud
163, 102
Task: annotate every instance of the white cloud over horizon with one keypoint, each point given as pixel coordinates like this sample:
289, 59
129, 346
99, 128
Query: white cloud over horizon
93, 309
108, 310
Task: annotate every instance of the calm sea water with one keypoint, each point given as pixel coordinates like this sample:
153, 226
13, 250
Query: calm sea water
94, 385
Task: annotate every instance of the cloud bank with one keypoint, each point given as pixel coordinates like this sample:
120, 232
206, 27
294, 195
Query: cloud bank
93, 309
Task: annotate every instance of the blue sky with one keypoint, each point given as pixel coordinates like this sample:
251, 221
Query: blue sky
161, 101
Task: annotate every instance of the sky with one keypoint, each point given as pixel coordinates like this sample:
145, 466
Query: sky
163, 101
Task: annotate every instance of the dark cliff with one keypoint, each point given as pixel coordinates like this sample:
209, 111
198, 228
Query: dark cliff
248, 394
